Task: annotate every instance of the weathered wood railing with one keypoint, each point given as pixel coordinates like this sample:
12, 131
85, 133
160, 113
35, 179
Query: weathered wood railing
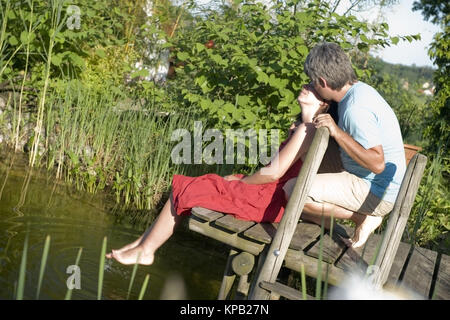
399, 217
280, 243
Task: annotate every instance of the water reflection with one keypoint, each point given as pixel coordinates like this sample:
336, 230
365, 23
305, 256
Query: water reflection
33, 200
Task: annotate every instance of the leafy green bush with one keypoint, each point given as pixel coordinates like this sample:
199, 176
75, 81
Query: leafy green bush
251, 75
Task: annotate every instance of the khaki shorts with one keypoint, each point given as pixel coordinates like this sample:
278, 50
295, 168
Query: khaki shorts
348, 191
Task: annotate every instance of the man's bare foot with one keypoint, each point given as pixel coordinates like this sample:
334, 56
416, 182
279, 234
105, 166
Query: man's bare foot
133, 255
364, 230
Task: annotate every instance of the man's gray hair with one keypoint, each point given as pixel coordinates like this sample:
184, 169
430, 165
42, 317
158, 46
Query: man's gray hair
329, 61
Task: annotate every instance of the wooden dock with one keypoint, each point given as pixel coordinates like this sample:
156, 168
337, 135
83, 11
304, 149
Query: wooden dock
423, 271
295, 244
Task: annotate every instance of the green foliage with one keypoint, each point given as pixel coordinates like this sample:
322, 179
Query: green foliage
254, 71
412, 74
438, 130
409, 104
434, 10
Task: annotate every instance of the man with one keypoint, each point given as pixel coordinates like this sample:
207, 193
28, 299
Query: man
370, 143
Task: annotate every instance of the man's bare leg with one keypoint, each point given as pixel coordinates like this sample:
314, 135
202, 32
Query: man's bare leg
365, 224
144, 248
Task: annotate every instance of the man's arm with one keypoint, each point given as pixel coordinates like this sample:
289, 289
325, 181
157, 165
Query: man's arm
371, 159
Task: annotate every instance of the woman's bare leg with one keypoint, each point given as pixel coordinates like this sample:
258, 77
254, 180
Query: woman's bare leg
143, 249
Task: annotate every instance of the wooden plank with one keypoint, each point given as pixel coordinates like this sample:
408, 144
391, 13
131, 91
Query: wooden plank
206, 214
399, 262
284, 291
295, 259
343, 230
442, 286
262, 232
399, 217
419, 271
304, 234
360, 258
233, 240
231, 223
332, 248
289, 221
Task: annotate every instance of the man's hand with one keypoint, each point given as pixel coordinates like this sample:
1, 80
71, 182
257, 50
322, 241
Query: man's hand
325, 120
231, 177
372, 159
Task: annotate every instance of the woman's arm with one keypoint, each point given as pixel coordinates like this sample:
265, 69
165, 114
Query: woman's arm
296, 147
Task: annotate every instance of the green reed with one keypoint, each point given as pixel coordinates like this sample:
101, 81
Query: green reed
144, 287
303, 281
101, 269
28, 39
133, 275
43, 264
57, 24
319, 261
22, 269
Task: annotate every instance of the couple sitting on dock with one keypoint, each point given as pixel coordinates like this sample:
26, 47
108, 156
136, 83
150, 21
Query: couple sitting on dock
371, 151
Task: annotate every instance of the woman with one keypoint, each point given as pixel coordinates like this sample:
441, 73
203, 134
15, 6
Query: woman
259, 197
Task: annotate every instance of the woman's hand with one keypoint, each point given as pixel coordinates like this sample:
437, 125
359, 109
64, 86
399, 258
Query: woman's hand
231, 177
311, 103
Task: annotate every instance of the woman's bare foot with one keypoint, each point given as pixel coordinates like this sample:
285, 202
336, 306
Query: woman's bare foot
364, 230
124, 248
133, 255
131, 245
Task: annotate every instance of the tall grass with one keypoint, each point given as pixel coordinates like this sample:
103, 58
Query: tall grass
28, 39
5, 60
56, 26
103, 141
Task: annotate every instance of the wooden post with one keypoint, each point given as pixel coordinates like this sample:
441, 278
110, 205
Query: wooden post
398, 218
228, 277
289, 221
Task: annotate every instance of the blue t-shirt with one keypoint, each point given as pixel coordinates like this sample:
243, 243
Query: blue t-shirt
368, 118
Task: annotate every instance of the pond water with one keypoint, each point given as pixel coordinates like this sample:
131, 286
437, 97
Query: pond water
32, 202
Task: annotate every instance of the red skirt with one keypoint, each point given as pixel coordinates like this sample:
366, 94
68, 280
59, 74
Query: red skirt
254, 202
